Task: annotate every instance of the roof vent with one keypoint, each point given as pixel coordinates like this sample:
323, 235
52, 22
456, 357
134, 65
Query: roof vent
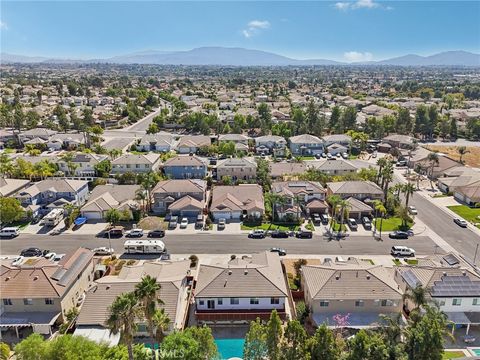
368, 277
7, 278
245, 271
444, 273
108, 287
35, 278
229, 272
464, 273
225, 284
338, 276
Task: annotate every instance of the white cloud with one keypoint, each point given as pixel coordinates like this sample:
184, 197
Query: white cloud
254, 27
3, 25
360, 4
355, 56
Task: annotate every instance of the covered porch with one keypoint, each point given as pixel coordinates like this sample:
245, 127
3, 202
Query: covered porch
38, 322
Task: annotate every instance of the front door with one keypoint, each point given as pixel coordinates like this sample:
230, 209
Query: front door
211, 304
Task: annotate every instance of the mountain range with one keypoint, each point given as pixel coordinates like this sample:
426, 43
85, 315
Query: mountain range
249, 57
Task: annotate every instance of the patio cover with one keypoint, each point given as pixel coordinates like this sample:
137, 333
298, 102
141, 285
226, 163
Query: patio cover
458, 318
359, 320
39, 321
98, 334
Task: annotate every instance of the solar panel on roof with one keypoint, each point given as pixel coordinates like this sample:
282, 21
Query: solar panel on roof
411, 279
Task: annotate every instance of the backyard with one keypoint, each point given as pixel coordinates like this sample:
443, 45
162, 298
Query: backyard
471, 158
470, 214
391, 224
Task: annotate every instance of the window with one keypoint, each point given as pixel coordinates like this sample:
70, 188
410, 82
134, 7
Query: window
48, 301
28, 301
220, 301
324, 303
359, 303
201, 302
7, 302
386, 302
441, 302
234, 301
274, 301
475, 302
457, 302
253, 301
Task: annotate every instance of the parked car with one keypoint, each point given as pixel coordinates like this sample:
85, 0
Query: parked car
49, 255
134, 233
402, 251
9, 232
200, 221
412, 210
157, 233
318, 156
172, 224
374, 155
18, 260
103, 251
367, 224
279, 251
58, 257
317, 220
324, 155
402, 163
257, 234
304, 234
460, 222
279, 234
325, 219
398, 235
55, 232
329, 156
345, 156
114, 232
184, 223
30, 252
352, 224
221, 224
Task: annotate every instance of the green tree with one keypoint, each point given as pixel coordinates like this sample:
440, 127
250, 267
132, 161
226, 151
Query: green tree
417, 296
294, 345
255, 347
367, 346
146, 293
113, 216
161, 323
10, 210
273, 336
453, 129
408, 190
323, 345
103, 168
334, 118
180, 345
404, 121
153, 128
263, 173
33, 347
6, 165
462, 151
203, 336
68, 158
4, 351
122, 317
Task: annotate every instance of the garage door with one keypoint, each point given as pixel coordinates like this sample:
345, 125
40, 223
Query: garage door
190, 213
92, 215
222, 215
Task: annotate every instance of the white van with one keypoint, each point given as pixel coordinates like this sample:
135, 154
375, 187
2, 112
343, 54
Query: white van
9, 232
402, 251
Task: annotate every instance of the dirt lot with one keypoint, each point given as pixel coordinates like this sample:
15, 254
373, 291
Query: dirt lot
472, 158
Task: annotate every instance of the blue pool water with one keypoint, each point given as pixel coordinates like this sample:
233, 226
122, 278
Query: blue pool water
229, 348
476, 351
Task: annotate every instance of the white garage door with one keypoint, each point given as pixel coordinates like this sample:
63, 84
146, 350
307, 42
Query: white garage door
222, 215
92, 215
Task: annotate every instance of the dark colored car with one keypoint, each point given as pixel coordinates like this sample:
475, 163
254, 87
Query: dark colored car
281, 252
304, 234
460, 222
325, 219
30, 252
115, 232
279, 234
157, 233
398, 235
367, 224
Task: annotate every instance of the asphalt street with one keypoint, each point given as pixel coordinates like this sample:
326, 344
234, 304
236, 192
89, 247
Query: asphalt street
214, 243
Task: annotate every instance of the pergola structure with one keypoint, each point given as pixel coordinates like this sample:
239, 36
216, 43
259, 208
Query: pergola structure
40, 322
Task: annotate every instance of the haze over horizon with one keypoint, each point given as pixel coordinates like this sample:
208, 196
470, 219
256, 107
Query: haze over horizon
299, 30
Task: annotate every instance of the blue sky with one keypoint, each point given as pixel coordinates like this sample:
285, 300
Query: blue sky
343, 30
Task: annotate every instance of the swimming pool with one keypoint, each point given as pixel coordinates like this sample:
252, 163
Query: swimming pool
229, 348
475, 351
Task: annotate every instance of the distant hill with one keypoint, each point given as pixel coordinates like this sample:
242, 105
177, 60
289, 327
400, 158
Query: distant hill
249, 57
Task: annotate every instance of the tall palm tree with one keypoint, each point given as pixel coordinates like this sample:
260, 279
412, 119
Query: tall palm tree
417, 295
380, 208
6, 165
433, 159
382, 162
387, 177
122, 317
462, 150
161, 322
344, 206
148, 183
408, 190
146, 293
142, 196
413, 147
68, 158
333, 201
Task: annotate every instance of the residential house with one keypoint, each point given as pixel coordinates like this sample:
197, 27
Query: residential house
36, 133
286, 169
237, 168
469, 195
333, 167
306, 144
241, 290
38, 293
335, 149
190, 144
9, 186
156, 142
297, 195
138, 164
106, 197
184, 198
270, 144
361, 190
399, 141
47, 191
355, 289
439, 169
173, 277
240, 141
185, 167
340, 139
65, 141
234, 202
450, 184
83, 164
358, 209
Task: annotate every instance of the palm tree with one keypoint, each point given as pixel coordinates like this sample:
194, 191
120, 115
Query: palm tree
462, 150
417, 295
148, 183
380, 208
344, 206
408, 190
32, 150
387, 177
161, 322
413, 147
146, 293
122, 317
6, 165
382, 162
392, 332
402, 213
68, 158
142, 196
433, 159
333, 201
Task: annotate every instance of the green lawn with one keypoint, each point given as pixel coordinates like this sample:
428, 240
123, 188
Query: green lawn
370, 261
411, 261
453, 355
391, 224
337, 227
310, 226
441, 195
397, 262
305, 157
269, 226
470, 214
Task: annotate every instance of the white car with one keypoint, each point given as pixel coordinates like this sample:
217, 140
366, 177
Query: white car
402, 251
103, 251
184, 223
17, 261
134, 233
412, 210
50, 256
